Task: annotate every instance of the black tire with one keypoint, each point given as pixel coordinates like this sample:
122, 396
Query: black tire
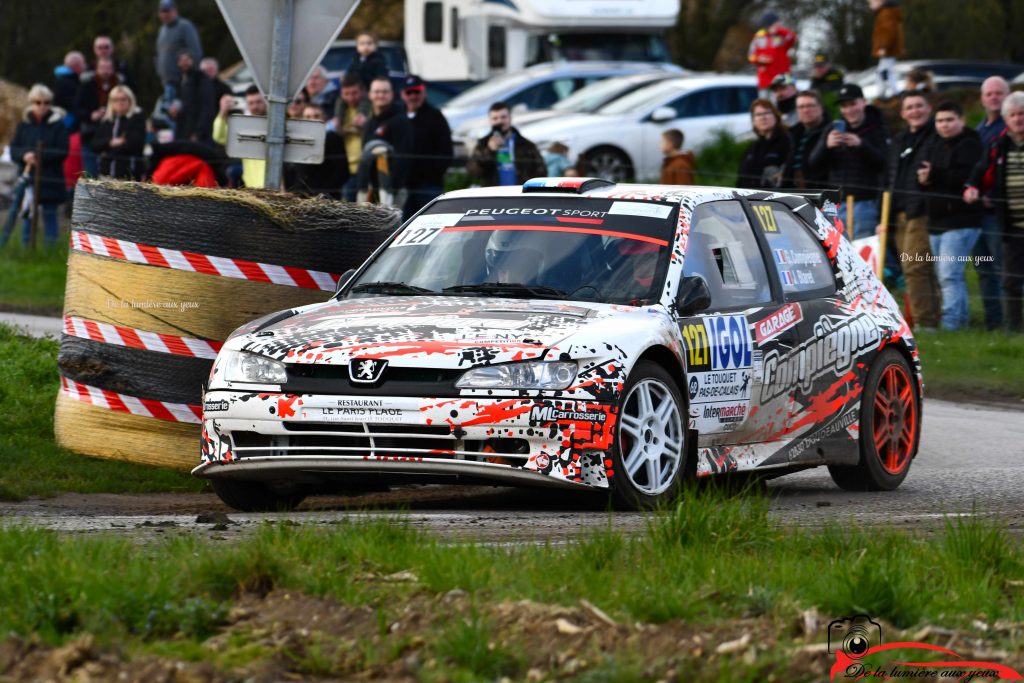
890, 427
609, 163
256, 496
649, 455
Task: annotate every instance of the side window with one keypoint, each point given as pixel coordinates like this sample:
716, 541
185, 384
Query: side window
710, 102
542, 95
496, 47
433, 16
742, 98
803, 266
455, 28
723, 250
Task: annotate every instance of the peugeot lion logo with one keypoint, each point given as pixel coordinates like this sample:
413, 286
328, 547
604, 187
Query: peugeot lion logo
366, 370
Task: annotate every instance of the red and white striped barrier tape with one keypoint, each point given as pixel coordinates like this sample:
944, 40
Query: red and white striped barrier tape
201, 263
140, 339
174, 412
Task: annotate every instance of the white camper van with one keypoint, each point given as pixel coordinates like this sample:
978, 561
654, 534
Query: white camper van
477, 39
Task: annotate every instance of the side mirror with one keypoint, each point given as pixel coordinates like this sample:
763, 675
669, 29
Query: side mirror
343, 280
693, 295
663, 114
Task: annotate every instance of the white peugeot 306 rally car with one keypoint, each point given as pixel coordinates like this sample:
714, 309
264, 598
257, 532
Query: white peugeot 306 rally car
579, 334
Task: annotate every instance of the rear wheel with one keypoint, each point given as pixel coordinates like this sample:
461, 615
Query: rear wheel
257, 496
650, 445
609, 163
889, 428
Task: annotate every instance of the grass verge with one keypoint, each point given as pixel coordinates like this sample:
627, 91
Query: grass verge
33, 281
713, 591
31, 463
973, 364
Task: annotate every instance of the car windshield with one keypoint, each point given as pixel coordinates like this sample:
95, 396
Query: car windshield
643, 99
490, 91
567, 248
598, 94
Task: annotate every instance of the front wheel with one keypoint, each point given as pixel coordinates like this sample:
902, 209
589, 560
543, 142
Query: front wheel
650, 446
256, 496
890, 414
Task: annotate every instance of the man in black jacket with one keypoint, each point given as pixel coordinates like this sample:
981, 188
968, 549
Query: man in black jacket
812, 119
196, 107
504, 156
432, 146
388, 125
852, 151
953, 225
90, 107
909, 212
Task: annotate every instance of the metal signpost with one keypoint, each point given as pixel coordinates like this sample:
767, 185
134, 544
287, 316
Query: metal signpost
282, 41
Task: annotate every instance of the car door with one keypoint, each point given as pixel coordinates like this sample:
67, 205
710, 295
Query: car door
818, 375
723, 372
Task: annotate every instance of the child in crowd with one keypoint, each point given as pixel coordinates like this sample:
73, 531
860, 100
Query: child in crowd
677, 168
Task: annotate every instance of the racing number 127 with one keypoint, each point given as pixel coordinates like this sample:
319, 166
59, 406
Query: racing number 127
417, 236
697, 347
766, 217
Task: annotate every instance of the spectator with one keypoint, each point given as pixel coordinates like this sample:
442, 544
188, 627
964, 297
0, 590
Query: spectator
351, 112
327, 177
677, 167
176, 34
988, 252
211, 69
504, 156
193, 117
825, 77
432, 146
90, 107
254, 171
367, 64
852, 150
769, 50
764, 161
320, 90
389, 125
298, 105
1001, 175
103, 46
784, 96
953, 225
887, 42
556, 160
66, 81
42, 128
121, 136
909, 151
811, 122
919, 80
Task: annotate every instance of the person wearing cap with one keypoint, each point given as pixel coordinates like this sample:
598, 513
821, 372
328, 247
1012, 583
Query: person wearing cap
769, 50
431, 146
825, 77
853, 150
784, 96
176, 34
887, 42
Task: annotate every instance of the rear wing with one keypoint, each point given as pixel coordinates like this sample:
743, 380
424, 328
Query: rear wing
826, 200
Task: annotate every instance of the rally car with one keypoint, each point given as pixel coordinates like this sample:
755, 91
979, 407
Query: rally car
578, 334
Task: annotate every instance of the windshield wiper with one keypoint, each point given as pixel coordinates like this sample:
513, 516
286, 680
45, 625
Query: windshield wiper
509, 288
390, 288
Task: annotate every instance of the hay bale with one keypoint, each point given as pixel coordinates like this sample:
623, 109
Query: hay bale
13, 100
207, 253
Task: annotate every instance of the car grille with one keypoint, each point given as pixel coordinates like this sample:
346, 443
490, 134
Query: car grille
307, 378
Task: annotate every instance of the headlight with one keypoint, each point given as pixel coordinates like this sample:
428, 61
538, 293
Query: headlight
536, 375
238, 366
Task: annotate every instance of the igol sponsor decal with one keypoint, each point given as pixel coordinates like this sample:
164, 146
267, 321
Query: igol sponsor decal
777, 323
720, 343
215, 406
836, 343
552, 414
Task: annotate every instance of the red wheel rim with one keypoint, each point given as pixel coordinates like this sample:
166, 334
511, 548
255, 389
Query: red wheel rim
895, 423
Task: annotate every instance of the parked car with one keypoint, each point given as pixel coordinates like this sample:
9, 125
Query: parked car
587, 99
539, 87
578, 334
622, 140
949, 74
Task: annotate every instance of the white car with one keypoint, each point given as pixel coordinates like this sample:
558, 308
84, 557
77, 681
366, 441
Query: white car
539, 87
622, 140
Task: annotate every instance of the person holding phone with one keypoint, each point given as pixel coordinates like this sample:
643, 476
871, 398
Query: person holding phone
853, 150
504, 156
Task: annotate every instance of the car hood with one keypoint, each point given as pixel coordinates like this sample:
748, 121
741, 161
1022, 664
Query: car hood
440, 332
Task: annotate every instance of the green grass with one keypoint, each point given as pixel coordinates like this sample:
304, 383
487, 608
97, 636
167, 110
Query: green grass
33, 281
31, 463
973, 364
729, 563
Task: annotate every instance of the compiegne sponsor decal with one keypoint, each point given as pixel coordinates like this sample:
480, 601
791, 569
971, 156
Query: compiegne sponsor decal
836, 344
552, 414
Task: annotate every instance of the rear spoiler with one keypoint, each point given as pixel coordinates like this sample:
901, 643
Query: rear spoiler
826, 200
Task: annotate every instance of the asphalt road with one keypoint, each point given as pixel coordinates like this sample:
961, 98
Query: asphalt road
971, 462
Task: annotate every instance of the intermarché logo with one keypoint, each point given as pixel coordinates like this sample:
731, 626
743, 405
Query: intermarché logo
854, 639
